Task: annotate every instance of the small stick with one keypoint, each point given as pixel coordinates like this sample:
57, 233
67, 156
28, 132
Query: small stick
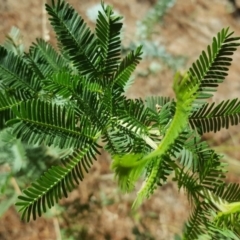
45, 31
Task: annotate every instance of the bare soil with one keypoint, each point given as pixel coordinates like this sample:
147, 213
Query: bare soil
96, 209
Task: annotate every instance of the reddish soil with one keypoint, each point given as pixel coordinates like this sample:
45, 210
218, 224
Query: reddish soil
96, 209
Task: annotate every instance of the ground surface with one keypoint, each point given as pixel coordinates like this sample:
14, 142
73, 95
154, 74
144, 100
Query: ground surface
96, 210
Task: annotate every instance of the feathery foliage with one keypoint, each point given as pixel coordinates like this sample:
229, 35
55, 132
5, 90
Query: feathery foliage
74, 98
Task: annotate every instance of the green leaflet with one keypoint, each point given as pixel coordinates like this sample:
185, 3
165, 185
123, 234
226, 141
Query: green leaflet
147, 185
185, 90
128, 168
185, 94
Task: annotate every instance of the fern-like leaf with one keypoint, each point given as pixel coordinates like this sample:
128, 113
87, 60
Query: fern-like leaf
126, 67
209, 118
158, 170
197, 156
6, 103
66, 85
156, 102
229, 192
61, 84
15, 73
38, 121
75, 37
108, 33
55, 183
14, 42
197, 224
128, 169
135, 116
211, 67
43, 59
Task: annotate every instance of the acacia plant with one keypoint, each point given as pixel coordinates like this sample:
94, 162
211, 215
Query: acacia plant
74, 99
